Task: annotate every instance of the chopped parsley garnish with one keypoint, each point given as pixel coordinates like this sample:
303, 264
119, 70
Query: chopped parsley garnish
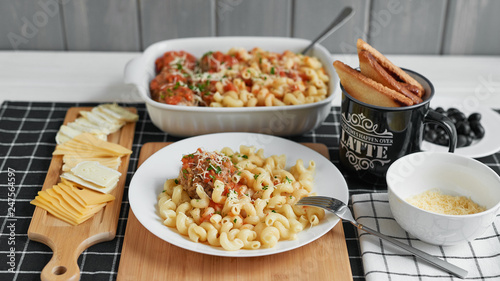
272, 70
216, 169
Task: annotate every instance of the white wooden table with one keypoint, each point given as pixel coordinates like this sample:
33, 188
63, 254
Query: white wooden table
98, 76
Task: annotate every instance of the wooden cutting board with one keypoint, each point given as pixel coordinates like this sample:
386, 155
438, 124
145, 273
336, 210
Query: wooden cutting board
68, 241
147, 257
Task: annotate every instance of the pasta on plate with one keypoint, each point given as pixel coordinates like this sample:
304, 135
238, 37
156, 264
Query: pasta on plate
238, 200
238, 78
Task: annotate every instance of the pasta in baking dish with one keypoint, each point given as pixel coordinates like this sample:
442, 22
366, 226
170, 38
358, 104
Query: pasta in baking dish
238, 78
238, 200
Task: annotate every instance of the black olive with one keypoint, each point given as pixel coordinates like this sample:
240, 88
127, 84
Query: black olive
461, 140
459, 116
431, 136
469, 140
443, 139
472, 135
474, 117
468, 128
478, 129
452, 110
463, 128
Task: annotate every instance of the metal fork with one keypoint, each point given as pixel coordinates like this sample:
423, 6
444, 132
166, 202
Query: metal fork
342, 211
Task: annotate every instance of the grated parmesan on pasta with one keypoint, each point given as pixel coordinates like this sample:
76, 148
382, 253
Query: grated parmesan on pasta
437, 202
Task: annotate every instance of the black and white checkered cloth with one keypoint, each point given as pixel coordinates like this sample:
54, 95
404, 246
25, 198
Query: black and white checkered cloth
383, 261
27, 140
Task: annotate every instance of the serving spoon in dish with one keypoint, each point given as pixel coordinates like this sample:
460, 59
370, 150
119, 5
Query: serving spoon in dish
340, 209
342, 18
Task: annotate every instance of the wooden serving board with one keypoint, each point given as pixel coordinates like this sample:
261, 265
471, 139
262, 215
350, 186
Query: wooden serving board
147, 257
68, 241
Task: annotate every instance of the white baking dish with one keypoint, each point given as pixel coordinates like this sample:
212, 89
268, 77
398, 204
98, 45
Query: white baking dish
190, 121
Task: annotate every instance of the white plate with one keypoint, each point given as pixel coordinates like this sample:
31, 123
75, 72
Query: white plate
148, 180
490, 120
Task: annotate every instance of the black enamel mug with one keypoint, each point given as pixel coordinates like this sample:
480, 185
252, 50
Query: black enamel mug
373, 137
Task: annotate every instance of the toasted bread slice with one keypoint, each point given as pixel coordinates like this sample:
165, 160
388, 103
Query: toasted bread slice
367, 90
392, 69
372, 69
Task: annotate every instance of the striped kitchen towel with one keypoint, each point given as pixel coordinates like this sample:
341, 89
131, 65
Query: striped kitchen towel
383, 261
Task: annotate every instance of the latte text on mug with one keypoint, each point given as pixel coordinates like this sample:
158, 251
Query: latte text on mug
373, 147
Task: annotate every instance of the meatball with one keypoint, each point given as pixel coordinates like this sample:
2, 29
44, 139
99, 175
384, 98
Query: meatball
204, 168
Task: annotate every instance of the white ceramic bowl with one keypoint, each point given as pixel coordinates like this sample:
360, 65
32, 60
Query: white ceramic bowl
190, 121
452, 174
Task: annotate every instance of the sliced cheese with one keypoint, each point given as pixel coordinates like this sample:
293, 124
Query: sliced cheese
109, 118
90, 164
62, 188
109, 127
87, 126
96, 173
84, 195
90, 146
119, 112
69, 176
66, 133
53, 206
61, 138
71, 161
101, 121
90, 197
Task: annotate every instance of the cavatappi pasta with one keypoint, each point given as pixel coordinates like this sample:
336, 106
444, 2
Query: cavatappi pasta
238, 200
238, 78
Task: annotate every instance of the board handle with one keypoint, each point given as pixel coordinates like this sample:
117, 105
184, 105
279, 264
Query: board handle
63, 264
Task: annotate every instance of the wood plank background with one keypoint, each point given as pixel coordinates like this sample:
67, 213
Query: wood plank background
434, 27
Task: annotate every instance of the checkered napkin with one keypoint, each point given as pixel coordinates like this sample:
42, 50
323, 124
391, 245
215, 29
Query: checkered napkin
383, 261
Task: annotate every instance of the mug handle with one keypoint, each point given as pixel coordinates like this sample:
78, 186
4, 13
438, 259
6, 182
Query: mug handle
439, 119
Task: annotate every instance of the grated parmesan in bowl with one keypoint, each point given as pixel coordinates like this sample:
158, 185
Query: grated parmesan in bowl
461, 205
434, 200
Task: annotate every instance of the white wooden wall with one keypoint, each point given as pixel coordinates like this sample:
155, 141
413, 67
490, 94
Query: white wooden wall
435, 27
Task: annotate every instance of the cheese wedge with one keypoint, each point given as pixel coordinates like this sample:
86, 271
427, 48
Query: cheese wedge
94, 172
71, 161
87, 184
